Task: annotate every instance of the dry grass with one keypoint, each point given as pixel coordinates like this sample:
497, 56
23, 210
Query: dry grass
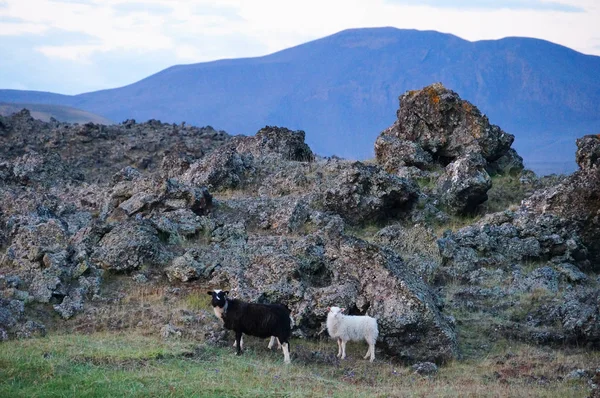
118, 364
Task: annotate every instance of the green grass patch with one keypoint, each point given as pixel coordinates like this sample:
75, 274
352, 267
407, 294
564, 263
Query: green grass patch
197, 300
507, 191
130, 365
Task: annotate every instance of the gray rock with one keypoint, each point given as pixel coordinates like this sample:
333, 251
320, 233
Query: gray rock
588, 152
465, 184
360, 193
544, 278
393, 154
130, 246
571, 272
222, 169
425, 368
187, 267
276, 141
509, 163
31, 329
43, 286
574, 200
445, 126
169, 331
71, 304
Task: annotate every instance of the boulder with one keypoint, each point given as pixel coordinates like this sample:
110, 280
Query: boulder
129, 246
464, 185
509, 163
326, 269
576, 199
588, 152
361, 193
393, 153
275, 141
224, 168
504, 239
444, 125
37, 239
188, 267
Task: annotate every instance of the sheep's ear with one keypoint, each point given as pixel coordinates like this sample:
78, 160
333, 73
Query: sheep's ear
342, 310
210, 293
328, 309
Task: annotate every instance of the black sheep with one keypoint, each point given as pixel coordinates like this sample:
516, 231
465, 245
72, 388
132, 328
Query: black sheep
260, 320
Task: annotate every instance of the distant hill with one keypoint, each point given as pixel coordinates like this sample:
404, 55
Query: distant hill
343, 90
62, 113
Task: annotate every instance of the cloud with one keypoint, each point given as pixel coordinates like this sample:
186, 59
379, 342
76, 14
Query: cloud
150, 8
539, 5
95, 44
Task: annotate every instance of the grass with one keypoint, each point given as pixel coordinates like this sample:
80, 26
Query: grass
197, 300
506, 191
131, 365
456, 222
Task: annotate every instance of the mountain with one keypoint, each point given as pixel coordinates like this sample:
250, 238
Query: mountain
343, 90
61, 113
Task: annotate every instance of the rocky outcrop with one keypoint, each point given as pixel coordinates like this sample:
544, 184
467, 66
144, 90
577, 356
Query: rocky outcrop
275, 141
225, 168
577, 199
290, 227
96, 151
238, 163
502, 240
527, 272
129, 246
362, 193
445, 126
436, 129
588, 152
393, 153
327, 269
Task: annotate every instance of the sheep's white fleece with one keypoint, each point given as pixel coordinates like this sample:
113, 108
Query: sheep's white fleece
351, 327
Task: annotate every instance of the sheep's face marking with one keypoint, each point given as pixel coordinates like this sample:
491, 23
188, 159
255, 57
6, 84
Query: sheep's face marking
219, 301
219, 298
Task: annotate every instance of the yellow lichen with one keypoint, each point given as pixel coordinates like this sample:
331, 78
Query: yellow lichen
433, 95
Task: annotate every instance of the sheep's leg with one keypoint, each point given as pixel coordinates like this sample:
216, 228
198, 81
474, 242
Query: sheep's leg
286, 353
339, 341
272, 343
371, 352
343, 349
241, 343
238, 340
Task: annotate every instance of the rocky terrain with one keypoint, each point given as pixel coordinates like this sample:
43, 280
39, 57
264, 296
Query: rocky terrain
94, 218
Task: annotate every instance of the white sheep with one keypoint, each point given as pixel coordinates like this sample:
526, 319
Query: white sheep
349, 327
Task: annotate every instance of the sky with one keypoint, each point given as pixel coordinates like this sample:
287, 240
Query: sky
76, 46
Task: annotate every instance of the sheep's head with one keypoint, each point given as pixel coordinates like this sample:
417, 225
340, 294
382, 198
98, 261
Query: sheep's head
219, 297
335, 311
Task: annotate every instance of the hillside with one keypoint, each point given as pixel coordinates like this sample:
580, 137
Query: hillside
476, 270
342, 90
45, 112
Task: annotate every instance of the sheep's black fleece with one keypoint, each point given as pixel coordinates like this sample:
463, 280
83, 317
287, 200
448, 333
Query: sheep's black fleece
260, 320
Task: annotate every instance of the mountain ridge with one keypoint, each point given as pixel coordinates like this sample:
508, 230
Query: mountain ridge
343, 89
